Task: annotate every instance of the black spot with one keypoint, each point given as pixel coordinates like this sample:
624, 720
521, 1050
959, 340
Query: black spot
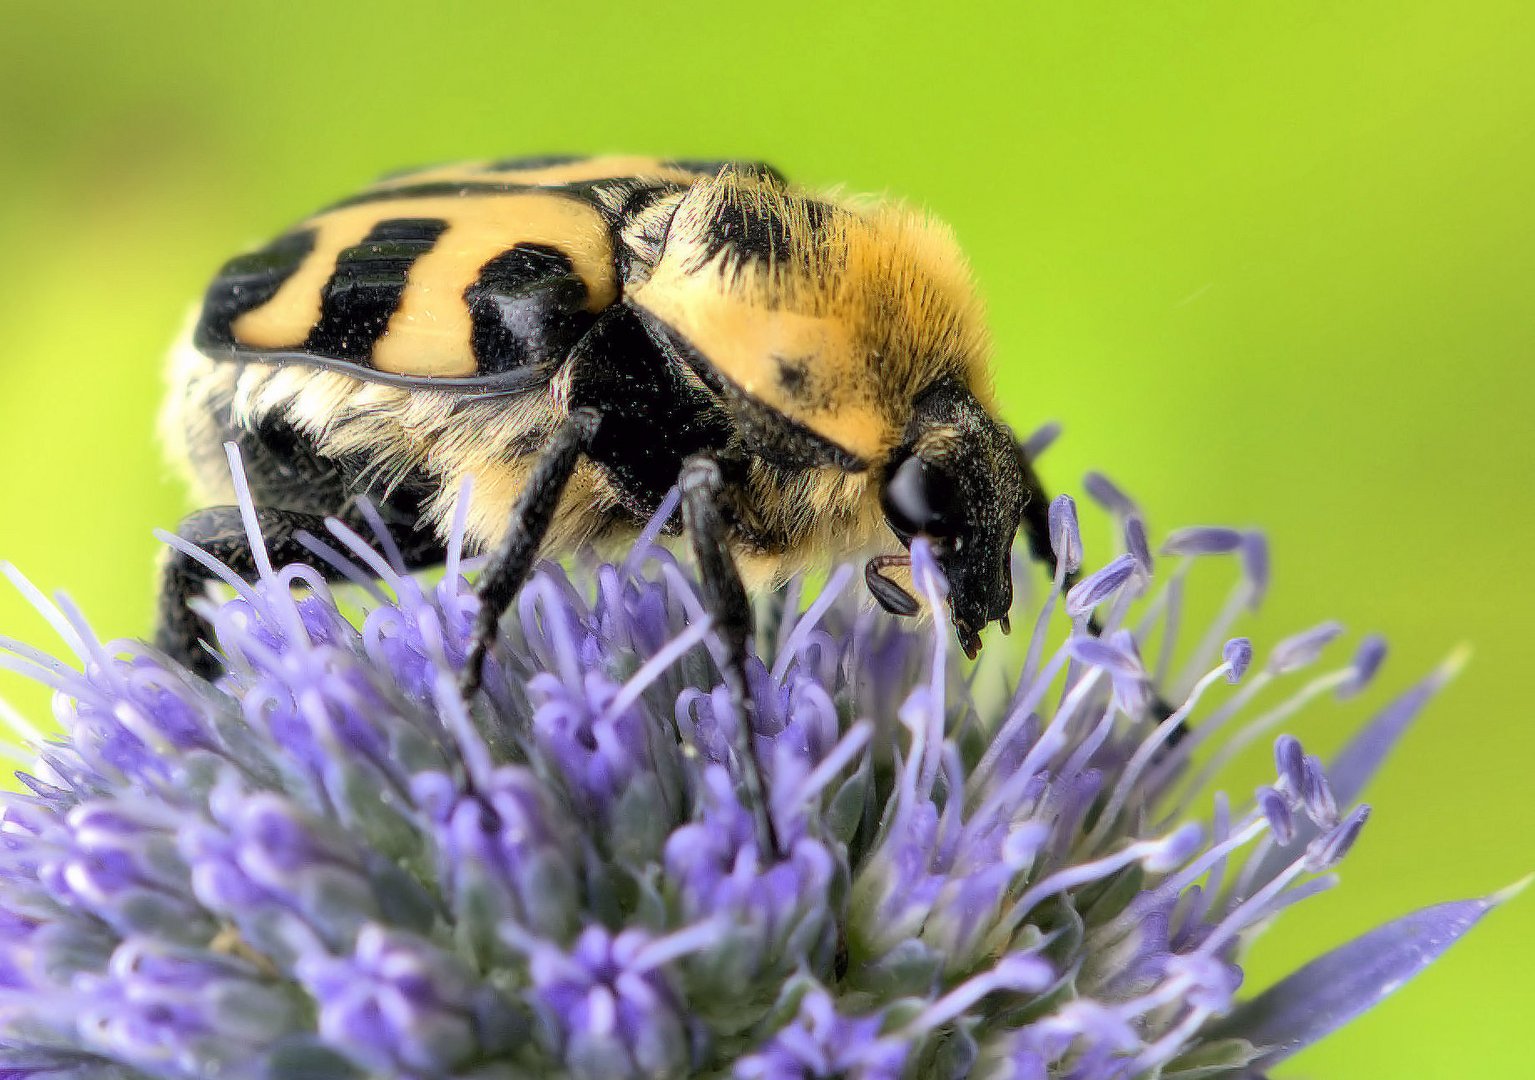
527, 308
746, 234
582, 191
364, 290
245, 283
793, 375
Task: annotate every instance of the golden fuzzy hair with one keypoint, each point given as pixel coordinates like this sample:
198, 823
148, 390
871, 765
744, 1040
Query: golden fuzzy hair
865, 304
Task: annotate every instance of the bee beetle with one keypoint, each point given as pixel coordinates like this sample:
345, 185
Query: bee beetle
577, 336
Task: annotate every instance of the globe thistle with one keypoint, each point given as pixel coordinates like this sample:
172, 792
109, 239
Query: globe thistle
328, 865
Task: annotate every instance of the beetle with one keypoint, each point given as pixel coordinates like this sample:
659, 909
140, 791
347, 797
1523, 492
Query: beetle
577, 336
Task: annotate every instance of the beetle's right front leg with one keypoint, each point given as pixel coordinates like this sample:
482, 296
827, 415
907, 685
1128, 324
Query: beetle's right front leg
725, 599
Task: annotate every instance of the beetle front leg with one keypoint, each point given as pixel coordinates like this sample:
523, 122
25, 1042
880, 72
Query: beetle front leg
513, 559
726, 601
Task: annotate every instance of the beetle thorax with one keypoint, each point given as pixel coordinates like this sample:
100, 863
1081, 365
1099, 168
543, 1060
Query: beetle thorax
833, 314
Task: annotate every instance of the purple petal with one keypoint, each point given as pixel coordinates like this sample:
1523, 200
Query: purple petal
1290, 761
1352, 979
1255, 567
1042, 439
1212, 981
1023, 843
1101, 654
1028, 973
1137, 545
1316, 794
1065, 535
1276, 808
1176, 849
1352, 769
1327, 850
1098, 587
1106, 494
1299, 651
1202, 540
1367, 661
1239, 654
925, 572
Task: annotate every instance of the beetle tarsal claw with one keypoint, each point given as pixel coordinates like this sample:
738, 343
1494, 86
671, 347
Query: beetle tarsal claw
891, 596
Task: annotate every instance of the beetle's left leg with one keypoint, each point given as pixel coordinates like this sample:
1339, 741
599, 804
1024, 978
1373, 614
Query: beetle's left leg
513, 559
725, 598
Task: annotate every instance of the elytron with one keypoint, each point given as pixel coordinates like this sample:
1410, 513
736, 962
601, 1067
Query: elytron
577, 336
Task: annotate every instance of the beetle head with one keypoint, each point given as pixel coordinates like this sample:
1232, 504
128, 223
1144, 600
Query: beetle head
957, 481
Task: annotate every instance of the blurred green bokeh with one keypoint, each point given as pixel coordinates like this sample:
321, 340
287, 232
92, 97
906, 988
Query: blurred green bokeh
1270, 264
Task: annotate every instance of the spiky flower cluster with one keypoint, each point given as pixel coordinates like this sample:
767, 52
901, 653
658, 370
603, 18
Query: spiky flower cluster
327, 866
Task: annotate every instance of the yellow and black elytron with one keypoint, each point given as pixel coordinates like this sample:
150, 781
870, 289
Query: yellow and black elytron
578, 336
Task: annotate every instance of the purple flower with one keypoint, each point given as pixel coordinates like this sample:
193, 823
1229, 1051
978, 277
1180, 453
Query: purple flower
609, 1009
400, 1006
326, 864
820, 1042
174, 1011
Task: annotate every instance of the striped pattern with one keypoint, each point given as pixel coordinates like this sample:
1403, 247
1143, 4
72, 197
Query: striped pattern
460, 273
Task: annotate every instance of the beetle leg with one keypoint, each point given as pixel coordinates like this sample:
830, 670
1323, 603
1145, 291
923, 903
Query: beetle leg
725, 599
220, 531
892, 597
513, 559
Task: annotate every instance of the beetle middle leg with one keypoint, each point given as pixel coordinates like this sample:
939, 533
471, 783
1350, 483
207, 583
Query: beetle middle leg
513, 559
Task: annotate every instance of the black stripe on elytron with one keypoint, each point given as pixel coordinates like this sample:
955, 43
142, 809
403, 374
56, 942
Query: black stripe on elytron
365, 287
246, 282
408, 170
527, 309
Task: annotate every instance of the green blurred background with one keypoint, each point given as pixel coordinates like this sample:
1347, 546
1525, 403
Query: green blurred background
1269, 263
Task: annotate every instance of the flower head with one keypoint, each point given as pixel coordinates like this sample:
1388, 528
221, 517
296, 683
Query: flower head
328, 865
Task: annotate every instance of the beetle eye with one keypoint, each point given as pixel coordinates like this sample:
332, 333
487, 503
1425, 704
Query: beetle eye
919, 499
